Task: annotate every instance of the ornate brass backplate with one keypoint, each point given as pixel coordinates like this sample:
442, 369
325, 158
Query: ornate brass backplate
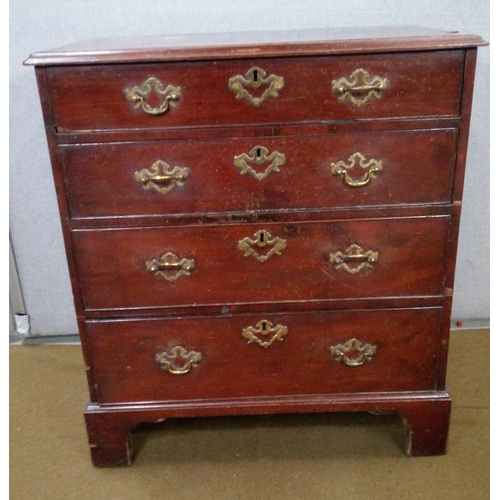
167, 360
360, 89
365, 352
137, 95
161, 177
259, 155
264, 328
254, 78
340, 168
170, 267
261, 239
353, 254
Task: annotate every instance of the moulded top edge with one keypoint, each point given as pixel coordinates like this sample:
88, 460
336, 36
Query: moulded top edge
253, 44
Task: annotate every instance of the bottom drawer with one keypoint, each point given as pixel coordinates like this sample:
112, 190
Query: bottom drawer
274, 354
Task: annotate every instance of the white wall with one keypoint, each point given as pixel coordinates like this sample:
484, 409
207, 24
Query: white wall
37, 25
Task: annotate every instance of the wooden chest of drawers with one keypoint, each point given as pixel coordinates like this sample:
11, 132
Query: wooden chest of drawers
261, 223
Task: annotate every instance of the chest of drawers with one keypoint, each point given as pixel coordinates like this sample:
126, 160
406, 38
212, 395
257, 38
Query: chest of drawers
261, 223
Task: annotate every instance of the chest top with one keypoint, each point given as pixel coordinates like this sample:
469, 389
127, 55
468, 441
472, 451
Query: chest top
254, 44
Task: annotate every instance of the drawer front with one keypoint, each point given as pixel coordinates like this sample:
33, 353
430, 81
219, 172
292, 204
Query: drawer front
226, 264
291, 90
297, 353
260, 173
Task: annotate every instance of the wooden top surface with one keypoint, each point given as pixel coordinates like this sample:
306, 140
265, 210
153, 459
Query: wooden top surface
254, 44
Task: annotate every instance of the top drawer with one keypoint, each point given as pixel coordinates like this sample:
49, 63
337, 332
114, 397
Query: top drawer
258, 91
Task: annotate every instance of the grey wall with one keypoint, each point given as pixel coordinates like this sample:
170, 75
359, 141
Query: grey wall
36, 25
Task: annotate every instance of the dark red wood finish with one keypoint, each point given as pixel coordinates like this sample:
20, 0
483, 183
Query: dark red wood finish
409, 213
426, 413
410, 262
301, 363
101, 179
58, 174
256, 131
86, 98
249, 44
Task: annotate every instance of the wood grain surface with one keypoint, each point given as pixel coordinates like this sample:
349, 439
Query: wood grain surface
113, 275
124, 355
417, 168
86, 98
230, 45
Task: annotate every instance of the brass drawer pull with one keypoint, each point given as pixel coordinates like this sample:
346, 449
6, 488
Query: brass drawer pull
137, 95
261, 239
161, 177
170, 267
340, 168
258, 156
254, 78
365, 352
354, 254
360, 84
264, 328
191, 358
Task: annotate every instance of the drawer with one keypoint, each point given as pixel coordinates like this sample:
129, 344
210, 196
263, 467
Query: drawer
229, 264
272, 355
278, 90
337, 170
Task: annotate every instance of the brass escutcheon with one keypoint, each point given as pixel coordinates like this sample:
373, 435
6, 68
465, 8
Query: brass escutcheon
161, 177
340, 168
361, 83
137, 95
261, 239
264, 327
353, 254
254, 78
366, 352
170, 267
258, 156
191, 358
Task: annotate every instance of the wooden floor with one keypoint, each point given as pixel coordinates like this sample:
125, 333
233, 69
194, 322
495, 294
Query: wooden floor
336, 456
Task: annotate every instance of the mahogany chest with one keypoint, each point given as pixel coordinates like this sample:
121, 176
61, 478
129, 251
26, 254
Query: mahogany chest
262, 222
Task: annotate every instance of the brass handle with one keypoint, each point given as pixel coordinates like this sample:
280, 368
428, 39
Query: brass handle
170, 95
365, 352
161, 177
340, 168
353, 254
170, 267
254, 78
264, 328
261, 239
258, 156
191, 358
360, 83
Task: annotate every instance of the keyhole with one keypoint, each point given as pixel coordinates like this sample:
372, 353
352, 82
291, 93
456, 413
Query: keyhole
255, 75
259, 154
262, 237
264, 326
